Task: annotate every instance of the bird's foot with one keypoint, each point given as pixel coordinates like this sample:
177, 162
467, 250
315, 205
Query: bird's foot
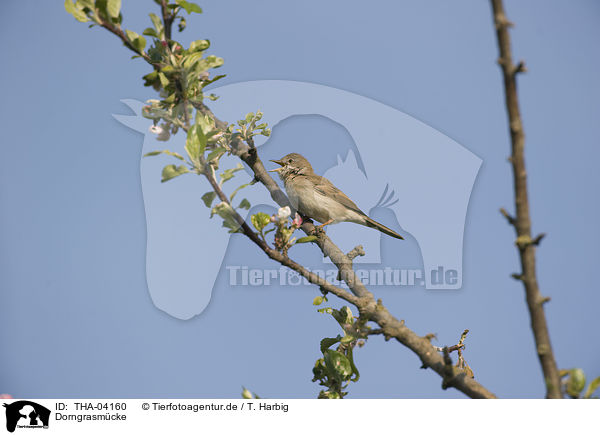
305, 218
320, 227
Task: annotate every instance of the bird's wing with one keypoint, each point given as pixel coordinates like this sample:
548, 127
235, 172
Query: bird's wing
326, 188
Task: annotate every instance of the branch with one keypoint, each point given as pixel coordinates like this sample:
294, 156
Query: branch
359, 296
357, 251
167, 18
365, 301
329, 249
121, 35
522, 221
313, 278
511, 220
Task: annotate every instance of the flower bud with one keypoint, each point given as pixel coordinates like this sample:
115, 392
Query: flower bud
284, 213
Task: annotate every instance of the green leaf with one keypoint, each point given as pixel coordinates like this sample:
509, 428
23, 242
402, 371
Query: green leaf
228, 173
138, 42
217, 152
189, 6
307, 239
156, 21
195, 143
318, 300
170, 153
199, 45
213, 62
113, 7
182, 24
327, 342
343, 316
149, 31
131, 35
206, 123
152, 153
337, 362
245, 204
170, 99
347, 339
249, 117
101, 6
157, 25
576, 383
79, 15
329, 394
260, 220
232, 225
214, 79
208, 198
171, 171
593, 386
229, 216
86, 3
192, 61
237, 190
164, 81
150, 78
354, 368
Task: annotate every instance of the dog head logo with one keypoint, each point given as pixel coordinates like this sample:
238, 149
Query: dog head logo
416, 177
26, 414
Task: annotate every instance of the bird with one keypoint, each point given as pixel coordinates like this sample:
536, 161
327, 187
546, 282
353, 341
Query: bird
315, 197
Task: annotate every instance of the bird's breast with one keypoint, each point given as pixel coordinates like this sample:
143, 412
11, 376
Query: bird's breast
312, 204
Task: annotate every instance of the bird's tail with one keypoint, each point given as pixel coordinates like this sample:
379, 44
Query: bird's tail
385, 230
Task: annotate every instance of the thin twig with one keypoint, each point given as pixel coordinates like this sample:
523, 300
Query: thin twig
522, 220
168, 18
121, 35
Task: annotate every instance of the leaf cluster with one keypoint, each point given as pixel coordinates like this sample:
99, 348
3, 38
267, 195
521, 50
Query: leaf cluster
336, 368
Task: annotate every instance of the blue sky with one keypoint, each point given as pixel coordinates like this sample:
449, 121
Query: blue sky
76, 318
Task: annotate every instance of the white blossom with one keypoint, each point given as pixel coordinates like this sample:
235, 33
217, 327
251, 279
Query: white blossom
163, 133
284, 213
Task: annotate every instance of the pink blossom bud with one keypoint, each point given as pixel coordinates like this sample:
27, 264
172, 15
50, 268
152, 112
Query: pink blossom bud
297, 221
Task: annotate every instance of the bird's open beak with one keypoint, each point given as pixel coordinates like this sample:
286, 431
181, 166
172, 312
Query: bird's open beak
279, 162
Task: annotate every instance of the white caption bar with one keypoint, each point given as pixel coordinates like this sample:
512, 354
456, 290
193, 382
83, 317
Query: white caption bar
159, 416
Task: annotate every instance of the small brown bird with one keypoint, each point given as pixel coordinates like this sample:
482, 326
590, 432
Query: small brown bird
317, 198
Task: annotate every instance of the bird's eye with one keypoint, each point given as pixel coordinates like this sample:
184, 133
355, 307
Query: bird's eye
290, 161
